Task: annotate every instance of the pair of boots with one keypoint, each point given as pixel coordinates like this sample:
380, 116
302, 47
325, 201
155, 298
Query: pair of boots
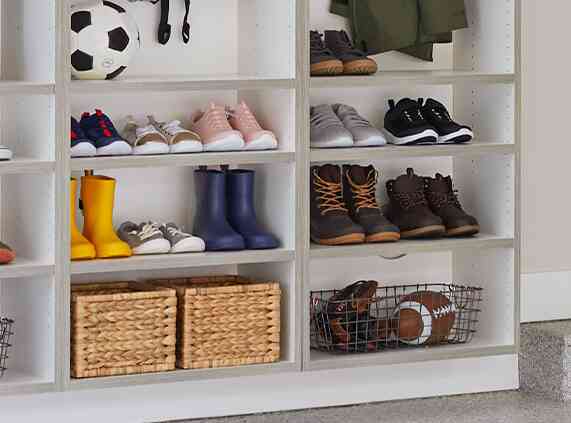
99, 239
225, 215
428, 207
344, 208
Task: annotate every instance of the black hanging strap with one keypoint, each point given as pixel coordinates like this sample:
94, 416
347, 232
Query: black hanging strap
186, 24
164, 27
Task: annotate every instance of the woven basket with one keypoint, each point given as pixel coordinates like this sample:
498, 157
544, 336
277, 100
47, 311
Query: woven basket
225, 321
122, 328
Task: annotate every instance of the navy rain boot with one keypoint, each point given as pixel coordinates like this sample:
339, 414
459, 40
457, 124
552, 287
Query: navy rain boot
210, 222
241, 213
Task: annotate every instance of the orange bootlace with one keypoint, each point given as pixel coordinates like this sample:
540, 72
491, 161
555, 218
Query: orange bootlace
330, 195
365, 195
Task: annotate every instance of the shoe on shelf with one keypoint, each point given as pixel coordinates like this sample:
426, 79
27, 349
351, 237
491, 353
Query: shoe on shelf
241, 212
146, 238
323, 61
101, 131
181, 242
7, 255
242, 119
355, 61
364, 134
5, 153
180, 140
330, 221
327, 130
449, 132
443, 201
406, 125
144, 139
81, 248
81, 146
215, 131
360, 195
409, 210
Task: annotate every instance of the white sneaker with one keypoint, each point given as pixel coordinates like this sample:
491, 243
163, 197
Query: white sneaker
180, 140
5, 153
145, 140
182, 242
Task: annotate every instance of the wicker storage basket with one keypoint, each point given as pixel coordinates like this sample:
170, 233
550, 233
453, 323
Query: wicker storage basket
225, 321
122, 328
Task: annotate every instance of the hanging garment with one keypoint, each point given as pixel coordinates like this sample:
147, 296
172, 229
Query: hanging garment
164, 32
410, 26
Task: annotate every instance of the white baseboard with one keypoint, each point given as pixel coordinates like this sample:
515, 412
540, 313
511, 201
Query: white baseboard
545, 296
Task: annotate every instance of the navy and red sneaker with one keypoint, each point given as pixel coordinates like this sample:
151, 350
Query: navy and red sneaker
81, 146
101, 131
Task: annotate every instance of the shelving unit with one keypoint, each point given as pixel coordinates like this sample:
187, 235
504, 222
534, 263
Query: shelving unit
258, 50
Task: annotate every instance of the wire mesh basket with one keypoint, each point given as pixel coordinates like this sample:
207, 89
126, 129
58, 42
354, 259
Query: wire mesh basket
5, 334
366, 318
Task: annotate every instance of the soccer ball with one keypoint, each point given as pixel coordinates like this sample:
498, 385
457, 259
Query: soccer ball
103, 40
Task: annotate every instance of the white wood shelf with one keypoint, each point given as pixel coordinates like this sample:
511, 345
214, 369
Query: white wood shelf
392, 250
395, 78
179, 83
16, 382
320, 360
26, 165
22, 267
393, 151
176, 160
178, 261
26, 88
180, 375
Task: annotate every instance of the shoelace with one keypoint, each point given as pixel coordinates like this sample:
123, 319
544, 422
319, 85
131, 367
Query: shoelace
413, 115
441, 199
173, 231
408, 200
148, 230
317, 46
144, 130
245, 116
348, 47
104, 123
365, 195
171, 128
330, 195
441, 114
217, 118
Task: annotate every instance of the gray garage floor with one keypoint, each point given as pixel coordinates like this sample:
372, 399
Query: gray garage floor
502, 407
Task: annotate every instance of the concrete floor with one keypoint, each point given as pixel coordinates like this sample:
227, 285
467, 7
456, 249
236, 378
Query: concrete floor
504, 407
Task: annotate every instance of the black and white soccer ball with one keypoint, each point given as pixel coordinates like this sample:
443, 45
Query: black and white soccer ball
104, 38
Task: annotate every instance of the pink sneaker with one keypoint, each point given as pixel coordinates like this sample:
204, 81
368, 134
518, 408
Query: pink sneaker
215, 131
243, 120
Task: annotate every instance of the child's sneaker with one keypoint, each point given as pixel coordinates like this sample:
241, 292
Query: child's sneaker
81, 146
182, 242
180, 140
242, 119
5, 153
145, 140
145, 238
7, 255
215, 131
101, 131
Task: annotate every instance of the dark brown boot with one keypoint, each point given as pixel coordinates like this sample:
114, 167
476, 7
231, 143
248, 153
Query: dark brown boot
360, 195
444, 203
330, 221
409, 210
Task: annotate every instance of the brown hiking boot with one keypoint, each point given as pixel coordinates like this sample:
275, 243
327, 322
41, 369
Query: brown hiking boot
355, 61
359, 193
409, 209
322, 60
444, 202
330, 221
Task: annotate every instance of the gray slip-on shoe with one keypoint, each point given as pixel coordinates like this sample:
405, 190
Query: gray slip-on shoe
364, 133
327, 131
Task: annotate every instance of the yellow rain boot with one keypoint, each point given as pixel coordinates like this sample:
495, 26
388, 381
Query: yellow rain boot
97, 196
81, 248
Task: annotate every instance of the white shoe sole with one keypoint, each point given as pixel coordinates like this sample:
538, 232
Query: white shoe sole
264, 142
230, 143
156, 246
450, 138
338, 143
371, 142
412, 139
150, 148
189, 245
83, 149
186, 147
118, 148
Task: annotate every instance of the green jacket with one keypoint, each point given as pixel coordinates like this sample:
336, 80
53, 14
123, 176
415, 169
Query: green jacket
410, 26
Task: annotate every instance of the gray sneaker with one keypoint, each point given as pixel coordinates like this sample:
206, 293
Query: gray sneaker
327, 131
182, 242
364, 134
145, 238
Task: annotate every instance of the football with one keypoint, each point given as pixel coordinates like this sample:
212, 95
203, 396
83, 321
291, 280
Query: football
103, 40
424, 318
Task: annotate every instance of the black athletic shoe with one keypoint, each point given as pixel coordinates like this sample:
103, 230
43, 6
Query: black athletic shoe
405, 124
449, 132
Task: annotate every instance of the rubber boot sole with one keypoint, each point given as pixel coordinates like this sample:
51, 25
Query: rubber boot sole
327, 68
467, 230
341, 240
360, 67
383, 237
433, 231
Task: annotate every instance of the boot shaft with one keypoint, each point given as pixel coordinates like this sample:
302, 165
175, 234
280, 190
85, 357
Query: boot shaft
210, 189
98, 198
326, 192
240, 194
